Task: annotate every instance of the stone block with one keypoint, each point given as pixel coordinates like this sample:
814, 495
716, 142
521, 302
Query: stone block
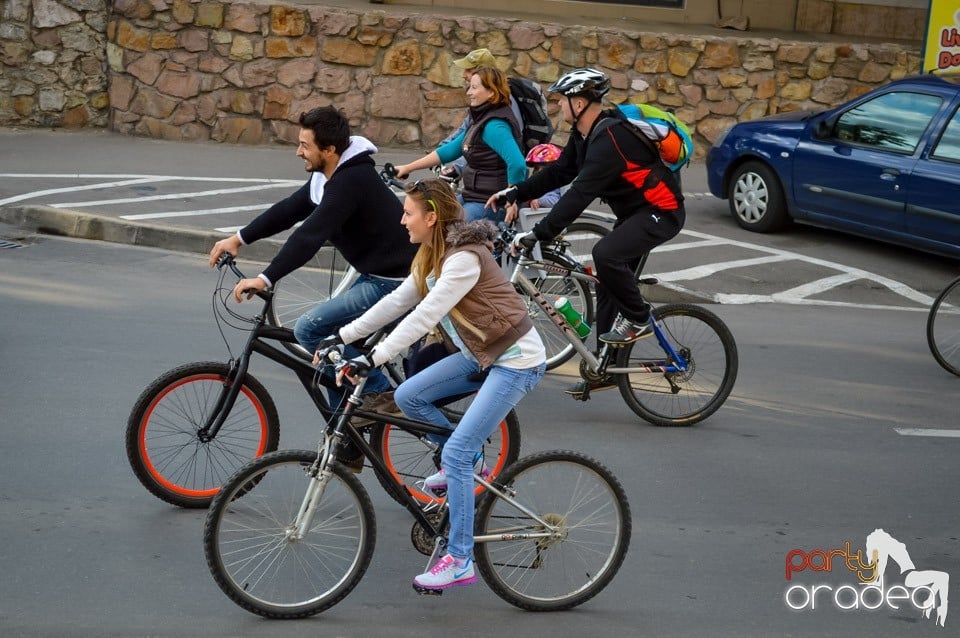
332, 79
396, 97
287, 21
403, 58
343, 51
147, 68
296, 72
182, 85
242, 17
238, 130
209, 14
290, 47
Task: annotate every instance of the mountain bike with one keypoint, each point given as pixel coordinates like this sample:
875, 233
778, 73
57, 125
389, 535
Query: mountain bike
943, 328
192, 427
328, 274
679, 375
293, 532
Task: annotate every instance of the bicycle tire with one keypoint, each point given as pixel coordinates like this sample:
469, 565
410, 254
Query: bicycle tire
943, 328
552, 287
577, 242
163, 447
566, 488
304, 289
246, 537
409, 458
695, 394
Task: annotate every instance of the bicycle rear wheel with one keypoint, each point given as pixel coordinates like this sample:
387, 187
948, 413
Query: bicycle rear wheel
553, 286
411, 458
252, 554
943, 328
321, 278
689, 396
589, 510
163, 445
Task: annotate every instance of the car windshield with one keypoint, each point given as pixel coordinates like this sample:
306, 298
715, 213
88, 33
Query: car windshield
892, 121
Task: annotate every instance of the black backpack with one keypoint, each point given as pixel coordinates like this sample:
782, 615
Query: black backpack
536, 127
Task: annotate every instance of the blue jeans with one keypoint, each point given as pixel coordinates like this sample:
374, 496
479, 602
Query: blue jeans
498, 394
331, 315
477, 210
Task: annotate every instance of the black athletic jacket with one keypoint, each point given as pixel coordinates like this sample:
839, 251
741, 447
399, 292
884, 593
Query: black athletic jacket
358, 214
612, 163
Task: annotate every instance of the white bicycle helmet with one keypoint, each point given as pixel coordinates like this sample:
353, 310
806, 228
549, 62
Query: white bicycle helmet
589, 83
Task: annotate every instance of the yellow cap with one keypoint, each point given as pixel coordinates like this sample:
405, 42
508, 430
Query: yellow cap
477, 58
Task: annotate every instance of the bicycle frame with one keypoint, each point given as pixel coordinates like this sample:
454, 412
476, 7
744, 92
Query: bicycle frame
599, 365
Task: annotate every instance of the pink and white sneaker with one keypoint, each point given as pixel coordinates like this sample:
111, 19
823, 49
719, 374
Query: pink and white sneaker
438, 482
446, 572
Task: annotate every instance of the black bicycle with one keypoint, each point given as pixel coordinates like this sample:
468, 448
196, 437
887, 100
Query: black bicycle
292, 533
943, 328
195, 425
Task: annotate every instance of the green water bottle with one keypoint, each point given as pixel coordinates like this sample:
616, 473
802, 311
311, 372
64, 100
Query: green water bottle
572, 316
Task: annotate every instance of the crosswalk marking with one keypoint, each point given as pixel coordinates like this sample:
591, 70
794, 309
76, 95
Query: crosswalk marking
953, 434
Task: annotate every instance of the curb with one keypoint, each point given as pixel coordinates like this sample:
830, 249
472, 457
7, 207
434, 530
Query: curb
62, 222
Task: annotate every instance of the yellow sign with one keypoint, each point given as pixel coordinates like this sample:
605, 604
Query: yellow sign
941, 51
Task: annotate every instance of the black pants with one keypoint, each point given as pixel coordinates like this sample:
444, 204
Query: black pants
616, 257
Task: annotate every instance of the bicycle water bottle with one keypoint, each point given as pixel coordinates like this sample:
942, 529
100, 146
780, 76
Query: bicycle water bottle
572, 316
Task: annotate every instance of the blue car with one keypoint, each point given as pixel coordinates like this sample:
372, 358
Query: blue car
885, 165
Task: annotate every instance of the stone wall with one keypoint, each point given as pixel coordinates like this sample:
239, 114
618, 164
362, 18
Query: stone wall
243, 72
52, 63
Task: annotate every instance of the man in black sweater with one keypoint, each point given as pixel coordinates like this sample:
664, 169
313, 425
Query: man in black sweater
605, 157
345, 203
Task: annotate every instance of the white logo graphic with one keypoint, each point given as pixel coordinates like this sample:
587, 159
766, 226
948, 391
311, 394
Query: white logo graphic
925, 590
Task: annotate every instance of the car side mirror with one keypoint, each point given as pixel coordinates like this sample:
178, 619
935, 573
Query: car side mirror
824, 128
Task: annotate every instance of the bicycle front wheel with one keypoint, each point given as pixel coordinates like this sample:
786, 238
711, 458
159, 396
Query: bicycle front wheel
410, 458
586, 508
321, 278
688, 396
265, 564
164, 446
553, 286
943, 328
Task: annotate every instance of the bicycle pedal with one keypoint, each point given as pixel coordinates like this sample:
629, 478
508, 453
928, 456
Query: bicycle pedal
649, 281
423, 591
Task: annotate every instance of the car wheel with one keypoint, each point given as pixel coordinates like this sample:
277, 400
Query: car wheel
756, 198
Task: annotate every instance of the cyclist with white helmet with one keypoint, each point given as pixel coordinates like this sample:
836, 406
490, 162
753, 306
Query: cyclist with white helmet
605, 159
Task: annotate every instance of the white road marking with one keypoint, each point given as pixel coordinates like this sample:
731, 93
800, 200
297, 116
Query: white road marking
191, 213
86, 187
952, 434
154, 198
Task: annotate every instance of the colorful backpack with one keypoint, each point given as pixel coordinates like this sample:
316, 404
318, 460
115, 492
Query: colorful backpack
669, 135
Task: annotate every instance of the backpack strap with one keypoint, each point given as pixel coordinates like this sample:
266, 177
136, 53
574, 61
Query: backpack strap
618, 118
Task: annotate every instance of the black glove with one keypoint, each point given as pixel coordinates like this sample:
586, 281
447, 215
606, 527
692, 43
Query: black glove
358, 366
507, 196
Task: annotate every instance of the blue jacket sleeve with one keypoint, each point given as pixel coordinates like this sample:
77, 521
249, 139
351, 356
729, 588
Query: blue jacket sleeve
452, 149
498, 135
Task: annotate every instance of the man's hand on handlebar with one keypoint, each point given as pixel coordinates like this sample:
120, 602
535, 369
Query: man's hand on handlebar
250, 287
523, 242
229, 245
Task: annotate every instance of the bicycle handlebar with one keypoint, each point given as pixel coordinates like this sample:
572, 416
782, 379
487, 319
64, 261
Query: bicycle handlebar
226, 259
389, 176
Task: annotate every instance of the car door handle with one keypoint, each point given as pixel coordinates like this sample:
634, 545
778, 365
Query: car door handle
889, 174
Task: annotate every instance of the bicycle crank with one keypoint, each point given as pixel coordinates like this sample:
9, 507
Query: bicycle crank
422, 540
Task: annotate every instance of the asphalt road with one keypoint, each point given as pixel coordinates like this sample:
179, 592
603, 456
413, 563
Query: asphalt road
806, 454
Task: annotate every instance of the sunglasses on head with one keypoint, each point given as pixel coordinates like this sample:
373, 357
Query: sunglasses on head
420, 186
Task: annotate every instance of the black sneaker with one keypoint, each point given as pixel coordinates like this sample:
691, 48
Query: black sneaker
626, 331
350, 457
579, 388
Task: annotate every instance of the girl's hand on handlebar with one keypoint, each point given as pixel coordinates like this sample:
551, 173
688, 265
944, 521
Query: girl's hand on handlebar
354, 369
250, 287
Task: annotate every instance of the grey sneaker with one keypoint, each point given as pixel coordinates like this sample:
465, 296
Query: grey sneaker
579, 388
625, 331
